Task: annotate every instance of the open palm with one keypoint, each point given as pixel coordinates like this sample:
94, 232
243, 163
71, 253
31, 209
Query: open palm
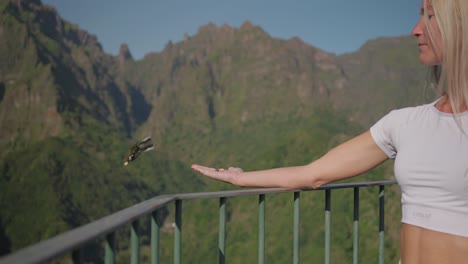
228, 175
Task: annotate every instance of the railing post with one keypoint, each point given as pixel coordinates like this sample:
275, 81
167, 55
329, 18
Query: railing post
381, 223
222, 230
297, 199
154, 238
356, 227
261, 229
178, 233
110, 249
77, 256
135, 242
327, 225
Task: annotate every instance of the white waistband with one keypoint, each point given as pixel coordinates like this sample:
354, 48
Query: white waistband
435, 219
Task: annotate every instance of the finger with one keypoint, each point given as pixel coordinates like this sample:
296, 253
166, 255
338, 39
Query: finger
206, 170
198, 167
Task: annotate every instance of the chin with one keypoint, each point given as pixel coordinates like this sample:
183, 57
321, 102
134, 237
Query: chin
429, 59
429, 62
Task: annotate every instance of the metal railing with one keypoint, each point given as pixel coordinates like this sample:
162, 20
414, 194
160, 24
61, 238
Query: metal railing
106, 227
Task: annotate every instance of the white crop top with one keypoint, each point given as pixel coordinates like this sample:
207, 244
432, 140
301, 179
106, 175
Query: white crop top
431, 166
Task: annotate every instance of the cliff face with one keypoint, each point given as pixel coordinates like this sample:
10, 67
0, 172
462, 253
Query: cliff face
53, 73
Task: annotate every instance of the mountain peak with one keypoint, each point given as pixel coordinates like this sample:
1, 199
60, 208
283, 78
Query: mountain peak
248, 28
247, 25
124, 53
209, 28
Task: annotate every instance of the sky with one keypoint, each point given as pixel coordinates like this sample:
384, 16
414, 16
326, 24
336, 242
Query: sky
336, 26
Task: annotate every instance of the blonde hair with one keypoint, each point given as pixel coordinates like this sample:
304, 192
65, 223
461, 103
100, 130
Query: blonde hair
451, 77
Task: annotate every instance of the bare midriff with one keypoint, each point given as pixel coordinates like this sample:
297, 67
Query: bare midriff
424, 246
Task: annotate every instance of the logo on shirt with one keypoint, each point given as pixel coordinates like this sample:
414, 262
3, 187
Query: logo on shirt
422, 215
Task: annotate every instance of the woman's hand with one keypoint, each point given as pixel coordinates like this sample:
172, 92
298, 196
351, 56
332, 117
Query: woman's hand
228, 175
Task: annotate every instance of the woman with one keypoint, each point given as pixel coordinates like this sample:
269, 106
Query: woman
429, 144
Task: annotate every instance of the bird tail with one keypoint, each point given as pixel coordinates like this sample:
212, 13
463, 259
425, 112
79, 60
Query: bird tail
145, 145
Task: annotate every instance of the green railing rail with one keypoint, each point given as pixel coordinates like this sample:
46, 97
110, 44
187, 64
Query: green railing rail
105, 228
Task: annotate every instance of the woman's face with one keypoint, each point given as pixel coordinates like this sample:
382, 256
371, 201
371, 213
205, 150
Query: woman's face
430, 53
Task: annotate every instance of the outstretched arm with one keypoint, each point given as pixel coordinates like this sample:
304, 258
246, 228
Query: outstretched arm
349, 159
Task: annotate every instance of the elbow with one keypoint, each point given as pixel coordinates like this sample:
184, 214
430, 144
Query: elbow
310, 184
310, 181
316, 184
313, 178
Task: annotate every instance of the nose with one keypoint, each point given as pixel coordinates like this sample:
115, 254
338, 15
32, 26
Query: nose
418, 28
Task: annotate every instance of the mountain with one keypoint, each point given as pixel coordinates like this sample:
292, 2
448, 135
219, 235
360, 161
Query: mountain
50, 69
224, 96
66, 118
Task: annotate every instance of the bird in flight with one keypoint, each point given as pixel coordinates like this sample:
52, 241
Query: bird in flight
140, 147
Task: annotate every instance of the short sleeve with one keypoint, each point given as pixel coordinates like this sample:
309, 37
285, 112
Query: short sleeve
384, 133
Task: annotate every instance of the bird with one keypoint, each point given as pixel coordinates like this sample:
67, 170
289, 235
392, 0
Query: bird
140, 147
